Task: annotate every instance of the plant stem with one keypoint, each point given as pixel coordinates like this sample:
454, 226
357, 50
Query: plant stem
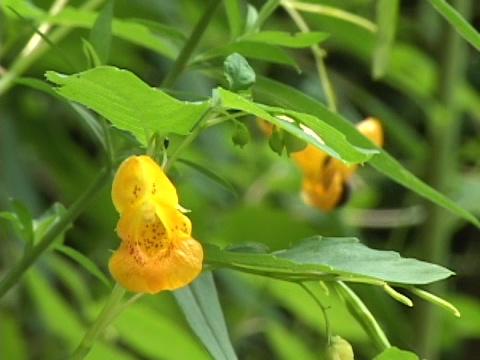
328, 329
108, 313
318, 55
36, 47
444, 128
53, 232
197, 128
190, 45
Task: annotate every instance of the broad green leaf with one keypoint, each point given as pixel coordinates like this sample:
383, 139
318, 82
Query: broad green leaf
288, 97
332, 141
394, 353
85, 262
386, 15
128, 102
199, 303
318, 258
253, 50
131, 31
235, 10
101, 32
458, 22
283, 38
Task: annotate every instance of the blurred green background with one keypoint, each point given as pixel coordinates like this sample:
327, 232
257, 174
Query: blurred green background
49, 155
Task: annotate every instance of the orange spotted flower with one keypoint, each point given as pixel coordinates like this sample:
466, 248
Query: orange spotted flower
325, 178
157, 251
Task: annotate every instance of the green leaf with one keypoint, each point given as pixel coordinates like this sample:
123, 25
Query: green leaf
394, 353
101, 32
85, 262
21, 219
199, 303
283, 38
332, 141
318, 258
48, 219
458, 22
236, 12
128, 102
251, 49
386, 14
289, 97
239, 73
129, 30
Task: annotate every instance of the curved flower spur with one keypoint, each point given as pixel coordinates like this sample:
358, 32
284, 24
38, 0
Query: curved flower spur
157, 251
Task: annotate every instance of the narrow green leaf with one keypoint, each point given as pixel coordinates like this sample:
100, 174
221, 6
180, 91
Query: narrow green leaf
129, 30
265, 11
93, 59
128, 102
283, 38
394, 353
289, 97
386, 14
318, 258
27, 9
466, 30
85, 262
199, 303
251, 49
211, 175
101, 32
332, 141
236, 11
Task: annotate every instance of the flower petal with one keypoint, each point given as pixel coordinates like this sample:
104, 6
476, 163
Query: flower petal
140, 177
175, 267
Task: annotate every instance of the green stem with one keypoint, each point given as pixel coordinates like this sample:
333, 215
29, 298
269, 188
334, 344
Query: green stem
53, 232
190, 45
444, 129
108, 313
318, 55
328, 329
30, 53
197, 128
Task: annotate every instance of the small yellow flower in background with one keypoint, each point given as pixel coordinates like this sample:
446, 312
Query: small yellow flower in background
324, 177
157, 251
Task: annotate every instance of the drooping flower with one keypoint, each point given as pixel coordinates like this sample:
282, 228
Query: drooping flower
157, 251
325, 179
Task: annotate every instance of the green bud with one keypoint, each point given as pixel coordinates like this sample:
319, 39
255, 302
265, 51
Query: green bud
241, 135
293, 143
275, 141
239, 74
339, 349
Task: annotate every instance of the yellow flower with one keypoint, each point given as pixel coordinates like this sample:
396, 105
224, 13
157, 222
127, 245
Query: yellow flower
157, 251
325, 179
